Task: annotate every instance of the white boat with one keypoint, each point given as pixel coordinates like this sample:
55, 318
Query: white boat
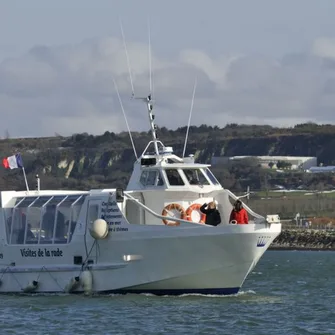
149, 238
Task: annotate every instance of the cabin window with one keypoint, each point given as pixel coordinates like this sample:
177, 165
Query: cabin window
43, 220
151, 178
32, 232
174, 177
93, 213
18, 219
195, 177
8, 215
47, 218
74, 216
211, 177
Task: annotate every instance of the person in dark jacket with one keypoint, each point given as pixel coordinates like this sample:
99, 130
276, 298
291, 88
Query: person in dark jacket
213, 217
238, 215
30, 235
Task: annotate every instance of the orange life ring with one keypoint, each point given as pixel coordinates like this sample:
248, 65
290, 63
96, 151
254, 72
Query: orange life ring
171, 207
195, 207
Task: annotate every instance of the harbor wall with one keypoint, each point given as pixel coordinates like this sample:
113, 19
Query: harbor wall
304, 239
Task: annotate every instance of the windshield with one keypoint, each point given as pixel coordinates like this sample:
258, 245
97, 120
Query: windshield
195, 177
151, 178
211, 177
174, 177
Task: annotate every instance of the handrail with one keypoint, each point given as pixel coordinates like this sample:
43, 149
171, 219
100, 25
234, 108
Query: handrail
160, 216
248, 209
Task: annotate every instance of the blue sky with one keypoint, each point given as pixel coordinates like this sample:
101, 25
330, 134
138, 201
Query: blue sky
258, 61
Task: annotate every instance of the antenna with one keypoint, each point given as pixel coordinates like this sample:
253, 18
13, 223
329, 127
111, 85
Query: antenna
148, 100
189, 118
150, 67
128, 61
124, 114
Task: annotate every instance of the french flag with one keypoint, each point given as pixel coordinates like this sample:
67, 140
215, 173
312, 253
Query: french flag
13, 162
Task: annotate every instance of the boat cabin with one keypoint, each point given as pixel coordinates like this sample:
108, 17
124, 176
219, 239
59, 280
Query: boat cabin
41, 218
163, 178
167, 171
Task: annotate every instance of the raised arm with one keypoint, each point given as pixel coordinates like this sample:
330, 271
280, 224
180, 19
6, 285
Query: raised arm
203, 208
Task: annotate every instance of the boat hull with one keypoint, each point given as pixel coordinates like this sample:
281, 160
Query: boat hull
204, 260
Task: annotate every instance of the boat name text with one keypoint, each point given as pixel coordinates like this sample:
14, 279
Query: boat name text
26, 252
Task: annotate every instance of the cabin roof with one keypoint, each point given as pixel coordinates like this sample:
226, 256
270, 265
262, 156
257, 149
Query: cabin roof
167, 166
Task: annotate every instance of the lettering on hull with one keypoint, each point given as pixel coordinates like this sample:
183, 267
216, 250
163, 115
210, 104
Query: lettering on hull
110, 212
262, 241
115, 229
41, 252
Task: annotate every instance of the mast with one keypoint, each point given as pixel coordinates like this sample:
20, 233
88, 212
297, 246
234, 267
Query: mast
148, 99
152, 124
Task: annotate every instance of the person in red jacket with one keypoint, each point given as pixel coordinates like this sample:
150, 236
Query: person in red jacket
239, 214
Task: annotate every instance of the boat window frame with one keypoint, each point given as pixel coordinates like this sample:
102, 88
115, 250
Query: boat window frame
41, 218
211, 176
70, 218
55, 219
26, 225
197, 170
159, 180
12, 224
181, 176
32, 200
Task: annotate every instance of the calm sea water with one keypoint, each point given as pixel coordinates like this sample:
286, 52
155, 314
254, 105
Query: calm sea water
290, 292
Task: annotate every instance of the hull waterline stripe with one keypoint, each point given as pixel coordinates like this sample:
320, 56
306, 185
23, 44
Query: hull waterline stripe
205, 291
160, 292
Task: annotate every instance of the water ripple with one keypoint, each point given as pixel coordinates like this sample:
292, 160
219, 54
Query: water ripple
288, 293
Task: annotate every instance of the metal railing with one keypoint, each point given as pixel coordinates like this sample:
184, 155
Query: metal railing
131, 198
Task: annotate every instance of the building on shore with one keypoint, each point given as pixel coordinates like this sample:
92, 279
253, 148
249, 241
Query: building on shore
274, 162
321, 169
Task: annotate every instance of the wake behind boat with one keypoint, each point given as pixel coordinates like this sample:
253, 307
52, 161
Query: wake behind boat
149, 238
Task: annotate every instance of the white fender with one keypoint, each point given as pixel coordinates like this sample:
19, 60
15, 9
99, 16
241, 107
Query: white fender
99, 229
31, 287
86, 280
72, 285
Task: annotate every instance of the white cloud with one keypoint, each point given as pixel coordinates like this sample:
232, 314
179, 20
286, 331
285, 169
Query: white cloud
69, 89
324, 47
